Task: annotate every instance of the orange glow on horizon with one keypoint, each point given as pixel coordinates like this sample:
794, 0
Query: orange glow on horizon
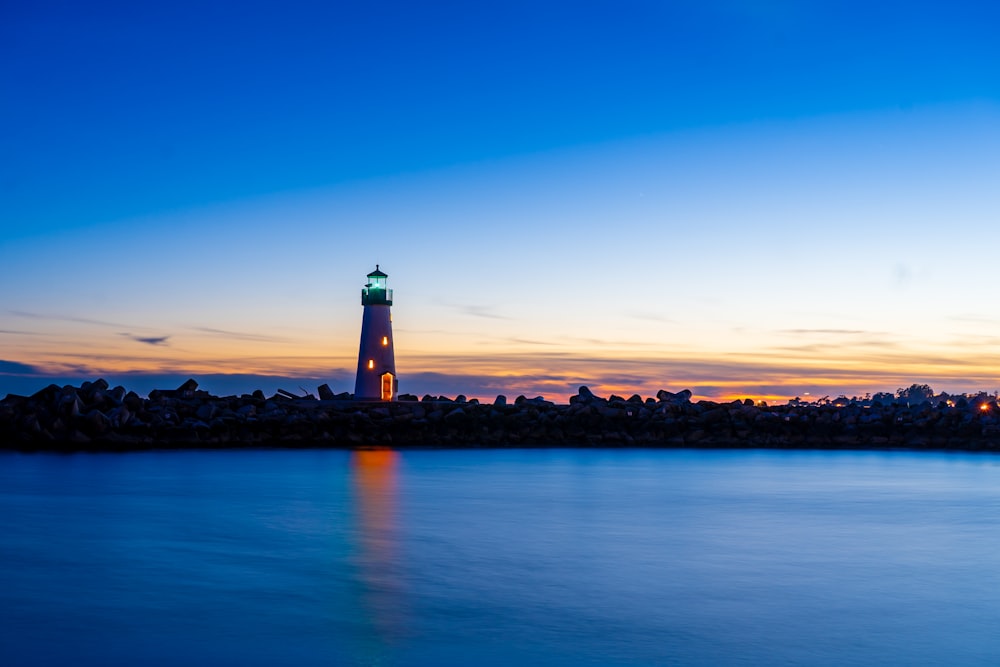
557, 379
480, 369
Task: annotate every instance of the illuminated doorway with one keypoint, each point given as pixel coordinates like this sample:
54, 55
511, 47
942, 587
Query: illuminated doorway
387, 386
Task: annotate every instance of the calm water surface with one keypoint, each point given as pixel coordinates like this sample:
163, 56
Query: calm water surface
533, 557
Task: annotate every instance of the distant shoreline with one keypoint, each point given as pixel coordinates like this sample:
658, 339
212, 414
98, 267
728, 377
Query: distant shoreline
95, 417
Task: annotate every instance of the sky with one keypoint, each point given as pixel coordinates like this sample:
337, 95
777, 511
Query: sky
761, 199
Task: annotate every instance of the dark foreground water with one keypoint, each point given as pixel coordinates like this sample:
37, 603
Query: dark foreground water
536, 557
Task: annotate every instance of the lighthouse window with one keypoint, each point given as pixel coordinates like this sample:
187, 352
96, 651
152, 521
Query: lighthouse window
371, 363
385, 341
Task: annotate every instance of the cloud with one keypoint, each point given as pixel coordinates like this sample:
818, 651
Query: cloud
608, 342
240, 335
836, 332
649, 316
480, 311
526, 341
65, 318
149, 340
16, 368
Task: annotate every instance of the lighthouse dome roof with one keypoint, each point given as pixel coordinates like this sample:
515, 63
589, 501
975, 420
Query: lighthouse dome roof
377, 273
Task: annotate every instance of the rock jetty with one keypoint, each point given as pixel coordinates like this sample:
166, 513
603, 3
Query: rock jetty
95, 416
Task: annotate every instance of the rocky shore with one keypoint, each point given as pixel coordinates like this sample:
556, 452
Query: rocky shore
95, 416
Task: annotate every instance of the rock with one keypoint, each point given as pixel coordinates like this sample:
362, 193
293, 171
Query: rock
98, 421
207, 412
187, 389
133, 401
68, 417
117, 395
46, 395
69, 403
325, 393
120, 416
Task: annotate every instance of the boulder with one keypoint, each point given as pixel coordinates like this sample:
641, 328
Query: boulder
187, 389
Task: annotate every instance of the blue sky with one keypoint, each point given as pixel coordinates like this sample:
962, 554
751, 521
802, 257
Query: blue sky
760, 198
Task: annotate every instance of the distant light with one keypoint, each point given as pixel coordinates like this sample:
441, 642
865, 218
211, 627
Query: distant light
984, 407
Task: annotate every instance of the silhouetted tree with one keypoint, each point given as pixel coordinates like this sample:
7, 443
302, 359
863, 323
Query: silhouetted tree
915, 393
883, 398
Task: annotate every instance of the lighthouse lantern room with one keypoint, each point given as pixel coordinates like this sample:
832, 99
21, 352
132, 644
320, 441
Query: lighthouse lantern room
376, 379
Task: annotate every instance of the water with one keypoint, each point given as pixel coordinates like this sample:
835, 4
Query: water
529, 557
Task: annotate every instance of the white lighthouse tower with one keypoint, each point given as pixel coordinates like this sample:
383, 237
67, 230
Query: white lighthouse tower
376, 379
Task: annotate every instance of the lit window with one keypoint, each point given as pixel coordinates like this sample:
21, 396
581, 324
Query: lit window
371, 363
385, 341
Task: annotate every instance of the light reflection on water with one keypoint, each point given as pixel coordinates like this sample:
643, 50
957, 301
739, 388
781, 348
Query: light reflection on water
555, 557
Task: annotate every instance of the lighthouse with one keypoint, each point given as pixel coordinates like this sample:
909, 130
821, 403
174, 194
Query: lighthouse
376, 380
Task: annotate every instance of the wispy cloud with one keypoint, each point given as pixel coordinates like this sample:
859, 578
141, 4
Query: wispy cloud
17, 368
608, 342
480, 311
239, 335
149, 340
835, 332
528, 341
649, 317
838, 349
67, 318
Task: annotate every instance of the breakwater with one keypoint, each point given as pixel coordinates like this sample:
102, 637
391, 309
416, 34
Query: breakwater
96, 416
